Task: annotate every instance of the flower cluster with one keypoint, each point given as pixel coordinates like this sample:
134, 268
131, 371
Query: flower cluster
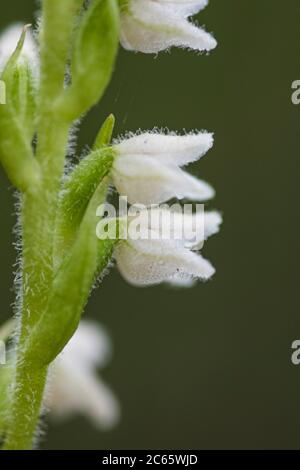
61, 255
147, 169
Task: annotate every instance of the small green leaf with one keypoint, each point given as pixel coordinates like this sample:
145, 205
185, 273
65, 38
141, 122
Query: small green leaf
76, 195
93, 58
16, 54
17, 123
21, 87
23, 98
105, 134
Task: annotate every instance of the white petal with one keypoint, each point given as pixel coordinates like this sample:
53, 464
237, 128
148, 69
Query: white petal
73, 385
184, 7
185, 228
77, 391
212, 222
8, 43
171, 149
149, 27
145, 181
190, 187
202, 224
100, 404
89, 347
194, 37
199, 227
149, 262
182, 282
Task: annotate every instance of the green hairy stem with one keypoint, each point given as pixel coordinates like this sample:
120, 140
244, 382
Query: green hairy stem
61, 255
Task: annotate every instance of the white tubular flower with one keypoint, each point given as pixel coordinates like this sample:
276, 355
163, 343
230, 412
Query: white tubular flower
8, 43
147, 167
184, 7
148, 261
74, 386
151, 26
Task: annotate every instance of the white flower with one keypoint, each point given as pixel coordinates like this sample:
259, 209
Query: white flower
147, 261
8, 43
74, 386
151, 26
147, 167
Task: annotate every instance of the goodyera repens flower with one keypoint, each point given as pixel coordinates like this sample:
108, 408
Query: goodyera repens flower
8, 43
151, 26
74, 386
149, 260
147, 167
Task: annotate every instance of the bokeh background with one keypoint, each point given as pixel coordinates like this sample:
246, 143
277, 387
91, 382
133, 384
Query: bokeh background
208, 367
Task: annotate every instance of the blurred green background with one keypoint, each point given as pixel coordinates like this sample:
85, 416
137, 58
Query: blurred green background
208, 367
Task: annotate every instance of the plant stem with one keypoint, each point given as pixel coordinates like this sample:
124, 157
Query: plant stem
38, 220
25, 408
38, 224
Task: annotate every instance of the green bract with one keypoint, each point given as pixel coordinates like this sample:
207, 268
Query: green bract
17, 122
92, 58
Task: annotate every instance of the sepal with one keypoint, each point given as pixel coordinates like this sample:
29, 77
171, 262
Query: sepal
17, 123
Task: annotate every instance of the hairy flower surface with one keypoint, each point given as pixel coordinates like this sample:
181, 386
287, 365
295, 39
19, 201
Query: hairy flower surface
8, 43
74, 386
152, 260
147, 168
151, 26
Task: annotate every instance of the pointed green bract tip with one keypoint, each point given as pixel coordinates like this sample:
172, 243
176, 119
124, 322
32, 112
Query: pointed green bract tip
17, 52
105, 134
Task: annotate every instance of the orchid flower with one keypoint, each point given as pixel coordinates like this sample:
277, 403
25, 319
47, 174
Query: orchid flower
151, 26
74, 385
152, 259
147, 167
